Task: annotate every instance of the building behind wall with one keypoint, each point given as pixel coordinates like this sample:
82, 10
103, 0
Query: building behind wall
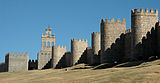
45, 55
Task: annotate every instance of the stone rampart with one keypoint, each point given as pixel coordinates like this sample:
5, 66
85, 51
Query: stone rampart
77, 49
57, 54
110, 31
17, 62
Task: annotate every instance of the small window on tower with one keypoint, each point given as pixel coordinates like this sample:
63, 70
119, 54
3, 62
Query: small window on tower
52, 43
48, 44
43, 44
48, 34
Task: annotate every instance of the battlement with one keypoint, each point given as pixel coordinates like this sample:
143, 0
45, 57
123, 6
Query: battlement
144, 12
128, 31
19, 54
112, 21
79, 40
33, 61
59, 47
96, 33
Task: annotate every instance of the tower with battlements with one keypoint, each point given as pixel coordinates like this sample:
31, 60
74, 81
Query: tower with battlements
141, 22
16, 62
96, 46
110, 31
45, 55
57, 54
78, 47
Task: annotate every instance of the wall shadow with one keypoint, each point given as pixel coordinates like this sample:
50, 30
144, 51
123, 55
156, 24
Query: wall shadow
147, 50
61, 63
48, 65
3, 67
32, 65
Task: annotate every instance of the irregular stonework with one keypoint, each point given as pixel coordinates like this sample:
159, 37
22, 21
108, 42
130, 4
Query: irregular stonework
45, 55
43, 58
127, 44
77, 49
110, 31
96, 46
142, 22
17, 62
57, 54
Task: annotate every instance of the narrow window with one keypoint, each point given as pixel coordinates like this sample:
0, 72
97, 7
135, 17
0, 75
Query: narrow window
52, 43
48, 43
44, 44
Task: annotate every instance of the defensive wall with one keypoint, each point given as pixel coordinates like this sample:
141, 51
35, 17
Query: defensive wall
57, 54
17, 62
96, 47
110, 31
45, 55
77, 49
32, 64
142, 22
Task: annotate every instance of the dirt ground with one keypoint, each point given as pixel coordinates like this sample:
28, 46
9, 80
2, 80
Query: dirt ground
143, 73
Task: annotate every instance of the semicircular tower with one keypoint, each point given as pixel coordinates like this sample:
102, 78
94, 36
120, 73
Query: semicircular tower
142, 22
77, 49
110, 31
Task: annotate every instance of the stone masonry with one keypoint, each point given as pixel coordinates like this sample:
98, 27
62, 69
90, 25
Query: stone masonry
142, 22
57, 54
110, 31
77, 49
96, 46
45, 55
17, 62
113, 44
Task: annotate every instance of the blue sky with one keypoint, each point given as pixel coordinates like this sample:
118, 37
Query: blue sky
23, 21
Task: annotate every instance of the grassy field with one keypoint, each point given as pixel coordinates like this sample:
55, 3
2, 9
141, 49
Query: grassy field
143, 73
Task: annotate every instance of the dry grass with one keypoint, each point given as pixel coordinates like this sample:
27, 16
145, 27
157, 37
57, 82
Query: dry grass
144, 73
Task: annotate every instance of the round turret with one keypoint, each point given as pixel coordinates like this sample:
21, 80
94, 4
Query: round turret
95, 43
77, 49
110, 31
142, 22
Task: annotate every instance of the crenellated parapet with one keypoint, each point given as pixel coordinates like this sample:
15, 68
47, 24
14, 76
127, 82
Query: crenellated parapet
17, 62
113, 21
77, 49
32, 64
18, 54
128, 31
110, 31
145, 12
57, 54
141, 22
